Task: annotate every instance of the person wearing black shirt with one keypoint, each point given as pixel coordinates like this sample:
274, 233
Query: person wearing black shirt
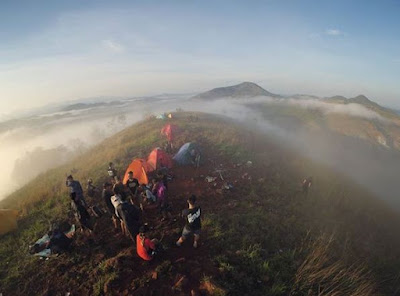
121, 188
106, 195
59, 242
132, 183
192, 216
81, 214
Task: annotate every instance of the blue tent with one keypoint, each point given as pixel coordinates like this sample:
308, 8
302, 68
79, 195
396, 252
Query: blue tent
188, 154
161, 116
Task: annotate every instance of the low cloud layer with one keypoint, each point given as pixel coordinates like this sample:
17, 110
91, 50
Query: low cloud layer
352, 109
374, 168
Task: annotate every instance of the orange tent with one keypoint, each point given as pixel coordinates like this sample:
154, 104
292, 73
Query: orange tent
158, 159
170, 130
139, 168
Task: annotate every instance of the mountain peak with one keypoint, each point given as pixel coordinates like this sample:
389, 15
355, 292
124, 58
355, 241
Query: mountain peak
248, 84
361, 99
242, 90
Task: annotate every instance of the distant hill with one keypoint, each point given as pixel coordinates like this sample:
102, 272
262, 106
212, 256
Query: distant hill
364, 101
336, 99
245, 89
82, 106
360, 99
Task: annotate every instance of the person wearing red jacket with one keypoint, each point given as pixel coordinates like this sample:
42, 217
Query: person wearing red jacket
146, 248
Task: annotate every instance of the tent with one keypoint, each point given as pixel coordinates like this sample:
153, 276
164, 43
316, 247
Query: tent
158, 158
139, 168
8, 220
161, 116
170, 131
184, 157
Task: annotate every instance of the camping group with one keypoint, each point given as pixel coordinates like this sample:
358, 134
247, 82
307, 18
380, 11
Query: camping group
124, 199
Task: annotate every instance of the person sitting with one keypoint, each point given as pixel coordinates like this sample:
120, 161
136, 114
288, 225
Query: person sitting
193, 222
59, 242
146, 248
91, 189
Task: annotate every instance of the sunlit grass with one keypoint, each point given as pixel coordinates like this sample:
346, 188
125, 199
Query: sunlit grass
258, 244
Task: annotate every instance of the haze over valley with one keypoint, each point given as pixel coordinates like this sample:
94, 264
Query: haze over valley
203, 148
354, 136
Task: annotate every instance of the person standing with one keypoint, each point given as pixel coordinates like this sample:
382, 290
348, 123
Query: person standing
128, 214
122, 190
112, 172
306, 185
91, 189
192, 216
106, 196
133, 185
81, 214
76, 188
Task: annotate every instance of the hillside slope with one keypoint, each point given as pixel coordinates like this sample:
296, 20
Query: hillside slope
263, 235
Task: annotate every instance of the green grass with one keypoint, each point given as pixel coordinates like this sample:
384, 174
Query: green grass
260, 246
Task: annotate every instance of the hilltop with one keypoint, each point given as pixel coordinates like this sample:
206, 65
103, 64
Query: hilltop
263, 235
242, 90
364, 101
357, 117
251, 89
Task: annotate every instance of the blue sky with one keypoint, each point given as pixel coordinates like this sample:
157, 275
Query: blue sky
52, 51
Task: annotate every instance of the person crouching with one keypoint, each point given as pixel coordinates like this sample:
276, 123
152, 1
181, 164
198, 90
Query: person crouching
146, 248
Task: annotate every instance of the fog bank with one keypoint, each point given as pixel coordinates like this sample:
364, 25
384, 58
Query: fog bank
374, 168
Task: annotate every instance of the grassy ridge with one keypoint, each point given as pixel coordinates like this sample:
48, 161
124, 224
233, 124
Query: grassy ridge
269, 239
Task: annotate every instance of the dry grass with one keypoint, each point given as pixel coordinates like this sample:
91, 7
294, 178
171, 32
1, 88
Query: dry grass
270, 214
321, 274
